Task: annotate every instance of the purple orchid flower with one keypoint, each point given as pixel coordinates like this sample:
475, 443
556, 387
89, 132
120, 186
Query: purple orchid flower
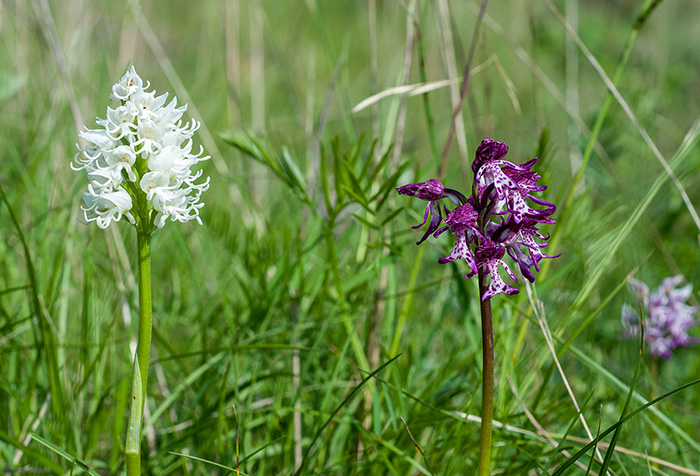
668, 319
431, 191
518, 235
495, 218
488, 255
463, 223
512, 183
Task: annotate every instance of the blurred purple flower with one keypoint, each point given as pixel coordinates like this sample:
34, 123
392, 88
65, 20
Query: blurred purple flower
667, 316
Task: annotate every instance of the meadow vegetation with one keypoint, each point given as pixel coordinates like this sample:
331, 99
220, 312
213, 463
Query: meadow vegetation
300, 330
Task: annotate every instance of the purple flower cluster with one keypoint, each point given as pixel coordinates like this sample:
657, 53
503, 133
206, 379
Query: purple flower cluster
668, 316
496, 218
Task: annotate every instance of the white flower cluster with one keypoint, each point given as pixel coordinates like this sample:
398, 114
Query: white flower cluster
139, 160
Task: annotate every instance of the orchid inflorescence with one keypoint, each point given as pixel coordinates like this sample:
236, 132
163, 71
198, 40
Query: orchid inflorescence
667, 316
493, 220
139, 160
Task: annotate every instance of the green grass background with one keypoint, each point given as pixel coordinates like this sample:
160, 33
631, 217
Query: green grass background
305, 276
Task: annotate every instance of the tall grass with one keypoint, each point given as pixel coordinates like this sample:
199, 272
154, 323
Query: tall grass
300, 330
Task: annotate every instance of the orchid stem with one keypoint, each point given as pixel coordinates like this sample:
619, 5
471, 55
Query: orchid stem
487, 379
143, 353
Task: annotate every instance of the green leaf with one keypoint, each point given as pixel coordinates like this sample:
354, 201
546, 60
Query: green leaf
391, 216
584, 450
338, 173
365, 221
255, 149
387, 185
31, 452
213, 463
337, 409
369, 157
324, 180
133, 433
380, 166
186, 383
63, 454
293, 171
351, 180
359, 198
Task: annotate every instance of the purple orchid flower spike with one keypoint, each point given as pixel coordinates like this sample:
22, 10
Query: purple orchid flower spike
495, 218
667, 316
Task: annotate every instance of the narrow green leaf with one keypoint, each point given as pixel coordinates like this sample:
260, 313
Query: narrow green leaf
338, 171
351, 180
584, 450
186, 383
613, 440
390, 182
369, 158
133, 433
391, 216
358, 198
63, 454
213, 463
31, 452
293, 172
365, 221
255, 149
380, 166
338, 408
324, 179
562, 440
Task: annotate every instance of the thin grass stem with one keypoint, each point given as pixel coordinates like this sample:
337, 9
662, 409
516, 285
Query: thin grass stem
597, 127
430, 120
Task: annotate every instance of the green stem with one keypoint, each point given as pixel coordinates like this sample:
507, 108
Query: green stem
654, 374
487, 379
143, 354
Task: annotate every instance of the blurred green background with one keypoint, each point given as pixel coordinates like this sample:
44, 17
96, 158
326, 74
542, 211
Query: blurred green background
288, 295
